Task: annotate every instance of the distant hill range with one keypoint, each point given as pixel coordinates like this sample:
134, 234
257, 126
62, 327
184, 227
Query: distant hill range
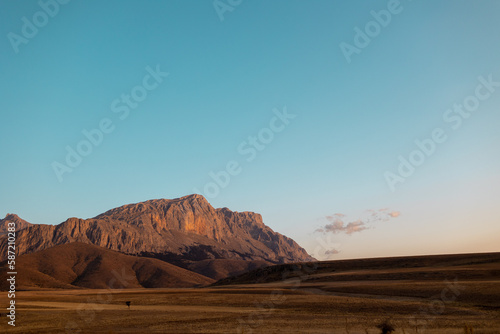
471, 279
186, 232
477, 266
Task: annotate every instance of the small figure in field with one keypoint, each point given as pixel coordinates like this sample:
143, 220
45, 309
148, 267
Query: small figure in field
128, 304
386, 327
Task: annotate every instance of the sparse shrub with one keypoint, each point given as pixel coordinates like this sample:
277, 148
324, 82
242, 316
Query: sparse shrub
386, 327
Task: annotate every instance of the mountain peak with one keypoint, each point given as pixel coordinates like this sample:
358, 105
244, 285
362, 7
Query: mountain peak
12, 217
193, 196
183, 229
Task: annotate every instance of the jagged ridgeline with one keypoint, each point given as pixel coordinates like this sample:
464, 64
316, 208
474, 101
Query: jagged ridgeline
187, 232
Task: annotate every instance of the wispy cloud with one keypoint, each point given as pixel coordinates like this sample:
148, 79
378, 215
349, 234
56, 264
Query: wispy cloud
332, 251
338, 223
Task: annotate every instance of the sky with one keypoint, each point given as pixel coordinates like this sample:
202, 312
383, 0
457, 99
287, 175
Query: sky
359, 129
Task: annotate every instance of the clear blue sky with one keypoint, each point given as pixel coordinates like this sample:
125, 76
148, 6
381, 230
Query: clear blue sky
353, 119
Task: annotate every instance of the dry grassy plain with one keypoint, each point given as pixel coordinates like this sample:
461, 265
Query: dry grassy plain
421, 298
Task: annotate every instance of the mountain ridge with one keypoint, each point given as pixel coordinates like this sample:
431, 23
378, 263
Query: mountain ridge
181, 231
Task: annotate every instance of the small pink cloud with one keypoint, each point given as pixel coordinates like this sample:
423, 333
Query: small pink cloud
332, 251
395, 214
354, 227
337, 223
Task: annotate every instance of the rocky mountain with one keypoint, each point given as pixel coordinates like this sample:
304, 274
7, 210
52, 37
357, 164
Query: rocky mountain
180, 231
12, 218
81, 265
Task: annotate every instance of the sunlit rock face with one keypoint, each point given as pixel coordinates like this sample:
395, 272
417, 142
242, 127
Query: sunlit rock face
184, 229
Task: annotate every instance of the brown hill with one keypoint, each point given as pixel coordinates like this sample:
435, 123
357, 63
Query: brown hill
180, 231
470, 280
20, 223
482, 266
222, 268
87, 266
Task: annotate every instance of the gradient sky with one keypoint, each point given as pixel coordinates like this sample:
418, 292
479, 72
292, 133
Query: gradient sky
353, 120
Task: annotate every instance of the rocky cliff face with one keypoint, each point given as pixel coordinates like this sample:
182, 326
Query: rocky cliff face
20, 223
179, 231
